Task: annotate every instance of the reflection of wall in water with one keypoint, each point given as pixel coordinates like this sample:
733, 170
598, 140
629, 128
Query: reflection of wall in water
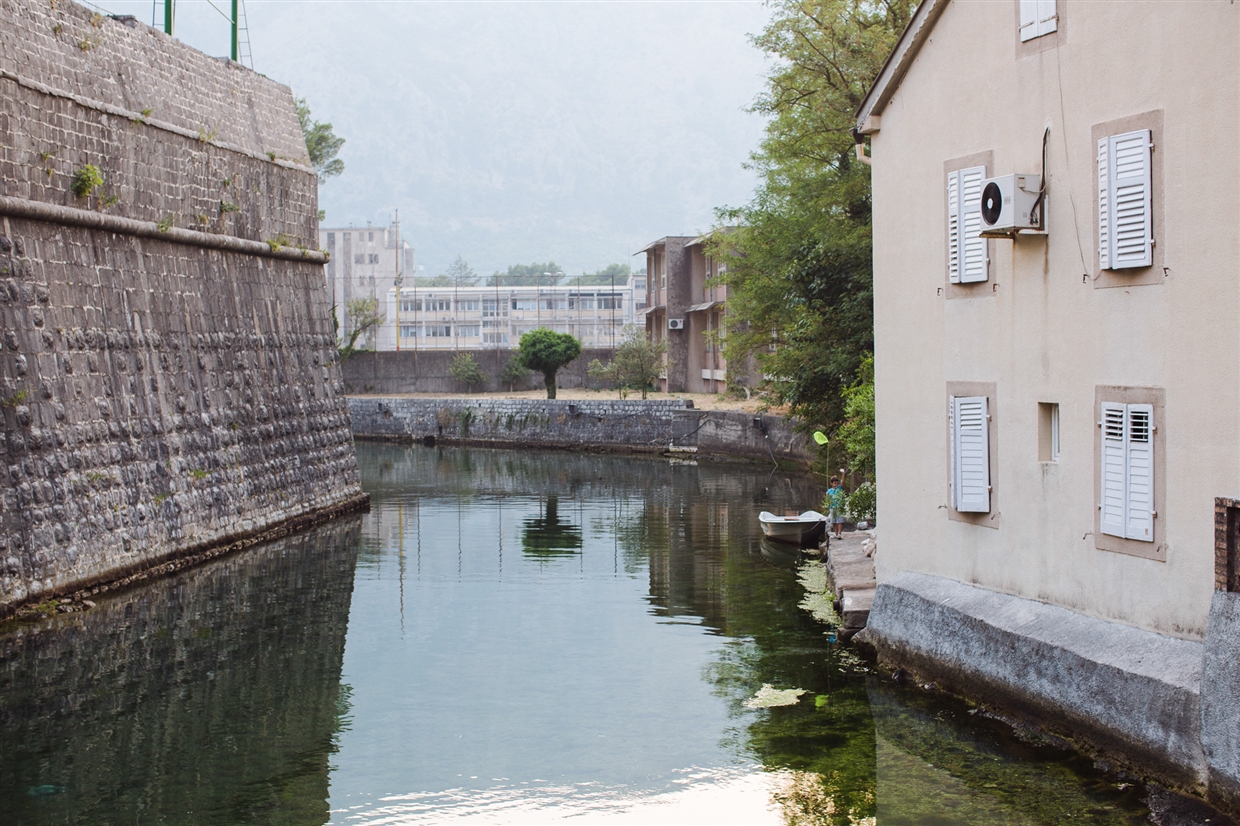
214, 692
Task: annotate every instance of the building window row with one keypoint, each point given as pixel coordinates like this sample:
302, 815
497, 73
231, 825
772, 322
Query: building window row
1127, 452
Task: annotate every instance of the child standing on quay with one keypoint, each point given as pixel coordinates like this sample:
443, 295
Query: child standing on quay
835, 499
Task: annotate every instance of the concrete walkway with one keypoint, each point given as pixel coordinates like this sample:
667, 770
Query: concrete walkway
850, 574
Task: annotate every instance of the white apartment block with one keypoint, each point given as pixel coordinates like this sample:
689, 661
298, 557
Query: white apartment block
364, 263
483, 318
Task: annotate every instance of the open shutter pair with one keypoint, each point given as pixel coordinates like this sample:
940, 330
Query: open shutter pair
969, 422
1125, 219
1037, 17
1127, 497
966, 251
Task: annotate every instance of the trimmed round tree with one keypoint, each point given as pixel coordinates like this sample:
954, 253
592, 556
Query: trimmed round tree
546, 351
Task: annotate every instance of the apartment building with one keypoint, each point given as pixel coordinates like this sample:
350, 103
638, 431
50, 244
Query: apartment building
686, 309
480, 318
364, 263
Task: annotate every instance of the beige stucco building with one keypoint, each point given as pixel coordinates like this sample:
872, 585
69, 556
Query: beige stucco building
1058, 411
686, 309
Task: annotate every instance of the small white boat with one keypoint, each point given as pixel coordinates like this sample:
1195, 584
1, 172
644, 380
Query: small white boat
800, 530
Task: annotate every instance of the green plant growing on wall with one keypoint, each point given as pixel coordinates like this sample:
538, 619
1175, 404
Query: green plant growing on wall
86, 180
226, 207
364, 315
637, 364
466, 418
15, 399
466, 371
106, 201
322, 145
89, 42
278, 242
546, 351
165, 223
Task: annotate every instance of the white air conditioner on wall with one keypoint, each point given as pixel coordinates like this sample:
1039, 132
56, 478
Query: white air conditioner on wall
675, 324
1012, 204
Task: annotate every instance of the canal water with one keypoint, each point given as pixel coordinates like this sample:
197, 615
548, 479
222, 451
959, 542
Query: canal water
507, 637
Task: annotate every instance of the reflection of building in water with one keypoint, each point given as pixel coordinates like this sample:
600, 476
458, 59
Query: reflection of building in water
214, 692
549, 535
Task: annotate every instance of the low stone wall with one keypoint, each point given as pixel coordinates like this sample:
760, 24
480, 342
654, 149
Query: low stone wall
1131, 694
427, 371
636, 425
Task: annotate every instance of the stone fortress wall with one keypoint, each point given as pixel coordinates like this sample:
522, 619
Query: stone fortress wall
168, 381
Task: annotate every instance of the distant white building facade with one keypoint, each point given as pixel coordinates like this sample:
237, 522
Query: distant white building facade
364, 263
485, 318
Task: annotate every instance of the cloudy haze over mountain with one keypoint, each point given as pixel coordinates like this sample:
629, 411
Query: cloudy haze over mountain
511, 132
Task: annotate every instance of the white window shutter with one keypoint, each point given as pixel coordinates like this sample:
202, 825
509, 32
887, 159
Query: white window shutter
1139, 510
973, 264
1113, 497
1028, 19
1104, 205
972, 471
953, 227
1132, 236
1048, 19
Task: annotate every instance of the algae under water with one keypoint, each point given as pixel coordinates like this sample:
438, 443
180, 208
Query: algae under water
507, 637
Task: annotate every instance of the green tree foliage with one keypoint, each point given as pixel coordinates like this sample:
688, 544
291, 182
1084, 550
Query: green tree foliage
637, 363
546, 351
612, 273
364, 315
514, 372
526, 275
856, 434
799, 264
322, 145
466, 371
460, 274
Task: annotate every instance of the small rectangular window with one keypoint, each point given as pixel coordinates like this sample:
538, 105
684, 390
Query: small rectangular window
970, 429
359, 258
1048, 432
1126, 499
966, 251
1037, 17
1125, 220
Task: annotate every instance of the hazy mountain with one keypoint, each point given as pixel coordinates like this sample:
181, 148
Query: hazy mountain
517, 131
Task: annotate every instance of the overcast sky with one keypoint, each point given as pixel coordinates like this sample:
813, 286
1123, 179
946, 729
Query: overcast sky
512, 132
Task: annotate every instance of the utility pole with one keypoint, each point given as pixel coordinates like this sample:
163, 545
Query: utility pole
398, 280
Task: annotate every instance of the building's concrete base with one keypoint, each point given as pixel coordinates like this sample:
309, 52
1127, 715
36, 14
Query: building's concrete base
1132, 695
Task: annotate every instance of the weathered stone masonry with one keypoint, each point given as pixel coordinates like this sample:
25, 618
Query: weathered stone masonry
622, 425
167, 380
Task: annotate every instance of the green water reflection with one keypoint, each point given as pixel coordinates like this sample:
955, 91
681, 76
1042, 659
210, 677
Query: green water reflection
509, 636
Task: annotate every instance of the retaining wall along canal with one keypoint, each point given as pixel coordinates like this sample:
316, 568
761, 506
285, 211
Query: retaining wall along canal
167, 375
1168, 708
648, 426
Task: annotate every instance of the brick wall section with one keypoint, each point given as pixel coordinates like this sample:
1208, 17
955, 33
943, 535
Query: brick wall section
643, 426
427, 371
158, 398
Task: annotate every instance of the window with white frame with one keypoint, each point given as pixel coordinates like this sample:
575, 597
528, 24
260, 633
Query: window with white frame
492, 307
494, 338
1126, 500
966, 251
1125, 214
1037, 17
467, 330
411, 306
410, 331
468, 305
969, 426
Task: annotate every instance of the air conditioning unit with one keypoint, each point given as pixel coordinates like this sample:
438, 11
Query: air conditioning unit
675, 324
1012, 204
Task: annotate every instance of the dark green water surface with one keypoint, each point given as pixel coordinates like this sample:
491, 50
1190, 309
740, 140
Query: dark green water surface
507, 637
